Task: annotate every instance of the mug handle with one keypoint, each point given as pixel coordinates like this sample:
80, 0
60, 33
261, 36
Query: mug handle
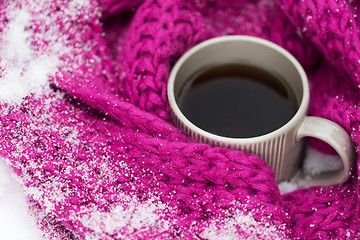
336, 137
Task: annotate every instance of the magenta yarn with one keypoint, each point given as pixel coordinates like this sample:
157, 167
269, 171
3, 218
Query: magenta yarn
88, 131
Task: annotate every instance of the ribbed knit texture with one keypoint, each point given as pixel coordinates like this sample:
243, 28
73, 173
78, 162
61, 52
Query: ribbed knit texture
95, 147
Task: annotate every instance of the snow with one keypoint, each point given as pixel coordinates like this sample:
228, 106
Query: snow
23, 71
286, 187
131, 217
244, 224
15, 222
315, 162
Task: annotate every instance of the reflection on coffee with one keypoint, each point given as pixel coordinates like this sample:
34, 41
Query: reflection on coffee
237, 100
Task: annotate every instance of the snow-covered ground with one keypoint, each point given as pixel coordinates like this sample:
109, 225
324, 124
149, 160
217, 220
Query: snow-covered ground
15, 222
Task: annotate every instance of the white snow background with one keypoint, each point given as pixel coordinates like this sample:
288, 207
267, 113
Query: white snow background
15, 222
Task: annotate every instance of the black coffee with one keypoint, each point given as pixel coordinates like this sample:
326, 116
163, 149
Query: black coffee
237, 101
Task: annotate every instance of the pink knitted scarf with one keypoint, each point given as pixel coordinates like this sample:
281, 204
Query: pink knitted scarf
84, 120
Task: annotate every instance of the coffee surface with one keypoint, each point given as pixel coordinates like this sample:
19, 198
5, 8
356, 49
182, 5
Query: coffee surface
236, 100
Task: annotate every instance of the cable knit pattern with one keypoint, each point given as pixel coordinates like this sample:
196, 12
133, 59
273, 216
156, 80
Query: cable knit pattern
93, 143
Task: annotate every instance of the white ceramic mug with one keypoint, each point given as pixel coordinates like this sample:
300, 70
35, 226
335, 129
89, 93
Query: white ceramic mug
281, 149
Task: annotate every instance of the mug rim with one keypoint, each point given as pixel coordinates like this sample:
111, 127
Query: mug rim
298, 116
